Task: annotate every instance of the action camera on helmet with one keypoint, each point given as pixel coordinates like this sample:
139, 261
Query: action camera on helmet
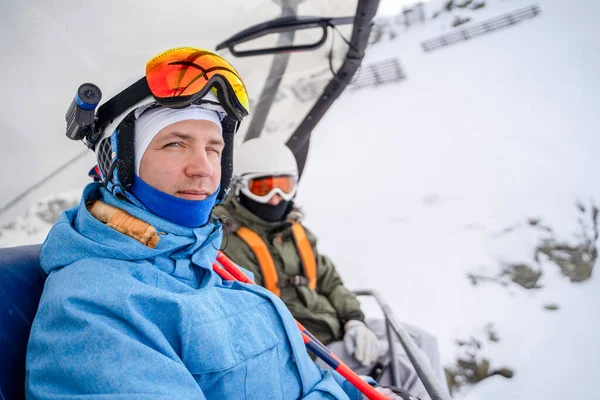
81, 113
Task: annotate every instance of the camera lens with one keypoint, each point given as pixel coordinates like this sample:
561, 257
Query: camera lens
89, 94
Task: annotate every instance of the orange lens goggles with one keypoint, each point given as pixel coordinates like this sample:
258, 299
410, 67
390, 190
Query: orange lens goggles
179, 76
264, 185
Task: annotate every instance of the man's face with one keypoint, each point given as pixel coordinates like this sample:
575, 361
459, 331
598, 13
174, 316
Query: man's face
184, 160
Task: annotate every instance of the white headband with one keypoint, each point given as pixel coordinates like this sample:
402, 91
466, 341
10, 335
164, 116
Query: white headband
151, 122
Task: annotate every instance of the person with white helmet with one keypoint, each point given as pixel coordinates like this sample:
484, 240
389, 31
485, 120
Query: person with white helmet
266, 236
134, 306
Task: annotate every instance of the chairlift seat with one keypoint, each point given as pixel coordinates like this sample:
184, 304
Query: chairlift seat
21, 284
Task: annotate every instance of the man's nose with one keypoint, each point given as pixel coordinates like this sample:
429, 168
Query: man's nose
199, 165
276, 199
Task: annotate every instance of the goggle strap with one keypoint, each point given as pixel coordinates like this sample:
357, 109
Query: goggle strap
230, 125
122, 101
126, 151
226, 158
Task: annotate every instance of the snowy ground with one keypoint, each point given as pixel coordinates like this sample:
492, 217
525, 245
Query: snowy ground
410, 187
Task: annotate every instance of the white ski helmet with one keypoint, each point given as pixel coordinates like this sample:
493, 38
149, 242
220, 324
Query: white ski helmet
263, 156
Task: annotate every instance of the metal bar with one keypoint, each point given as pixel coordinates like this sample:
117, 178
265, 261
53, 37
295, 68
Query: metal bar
489, 25
418, 360
278, 67
299, 141
341, 21
395, 369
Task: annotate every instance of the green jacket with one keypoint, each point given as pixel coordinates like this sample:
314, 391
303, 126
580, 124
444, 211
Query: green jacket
324, 311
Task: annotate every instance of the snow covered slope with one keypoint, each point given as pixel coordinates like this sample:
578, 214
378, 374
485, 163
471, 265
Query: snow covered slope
410, 185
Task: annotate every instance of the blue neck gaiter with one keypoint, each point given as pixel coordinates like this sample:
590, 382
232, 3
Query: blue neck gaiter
189, 213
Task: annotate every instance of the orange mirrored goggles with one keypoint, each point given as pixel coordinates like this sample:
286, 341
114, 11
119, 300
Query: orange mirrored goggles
262, 186
178, 77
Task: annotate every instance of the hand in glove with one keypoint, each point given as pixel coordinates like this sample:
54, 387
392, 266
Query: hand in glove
361, 342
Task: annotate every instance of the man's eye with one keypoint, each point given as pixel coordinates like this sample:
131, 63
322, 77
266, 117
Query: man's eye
173, 144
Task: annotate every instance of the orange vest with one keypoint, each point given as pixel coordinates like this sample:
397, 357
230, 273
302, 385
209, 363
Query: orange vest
265, 261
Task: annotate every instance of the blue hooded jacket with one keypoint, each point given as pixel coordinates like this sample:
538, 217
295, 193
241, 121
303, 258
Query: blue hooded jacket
120, 320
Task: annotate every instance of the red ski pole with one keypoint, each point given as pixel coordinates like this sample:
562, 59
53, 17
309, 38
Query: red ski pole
231, 272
